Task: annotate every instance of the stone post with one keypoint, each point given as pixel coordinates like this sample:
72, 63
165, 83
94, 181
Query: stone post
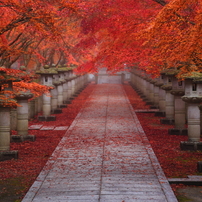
68, 87
54, 97
5, 125
193, 96
36, 105
69, 90
148, 101
169, 100
156, 93
47, 79
40, 103
5, 153
162, 95
73, 85
180, 110
31, 111
62, 88
22, 118
13, 113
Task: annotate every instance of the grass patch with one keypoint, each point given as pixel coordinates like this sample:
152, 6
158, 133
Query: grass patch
11, 189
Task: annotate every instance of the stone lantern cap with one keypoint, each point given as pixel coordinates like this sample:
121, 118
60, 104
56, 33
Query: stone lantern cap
23, 95
196, 77
167, 87
63, 69
46, 70
57, 83
153, 81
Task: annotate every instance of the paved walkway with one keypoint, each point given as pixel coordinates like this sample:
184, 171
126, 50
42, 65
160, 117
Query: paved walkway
103, 157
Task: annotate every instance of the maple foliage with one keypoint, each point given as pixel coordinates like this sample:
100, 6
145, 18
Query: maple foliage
93, 34
174, 38
151, 34
109, 30
15, 82
28, 23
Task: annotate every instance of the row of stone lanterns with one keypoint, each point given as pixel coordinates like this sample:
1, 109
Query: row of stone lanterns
65, 85
177, 100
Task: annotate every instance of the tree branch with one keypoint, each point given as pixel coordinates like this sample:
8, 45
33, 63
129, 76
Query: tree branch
161, 2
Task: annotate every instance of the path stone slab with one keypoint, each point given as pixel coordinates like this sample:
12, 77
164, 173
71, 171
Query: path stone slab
61, 128
47, 128
35, 127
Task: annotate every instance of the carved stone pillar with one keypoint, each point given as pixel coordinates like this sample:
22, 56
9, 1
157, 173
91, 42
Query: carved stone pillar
180, 109
22, 118
162, 95
169, 101
193, 96
47, 79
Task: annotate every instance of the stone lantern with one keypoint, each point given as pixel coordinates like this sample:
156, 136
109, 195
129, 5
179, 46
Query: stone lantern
68, 83
22, 118
179, 106
193, 97
5, 120
73, 85
154, 94
169, 100
47, 79
162, 95
63, 88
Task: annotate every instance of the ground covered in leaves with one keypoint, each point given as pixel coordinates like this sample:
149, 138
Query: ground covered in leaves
175, 163
16, 176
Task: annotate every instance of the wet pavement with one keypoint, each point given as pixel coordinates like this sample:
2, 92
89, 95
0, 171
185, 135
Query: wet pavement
104, 156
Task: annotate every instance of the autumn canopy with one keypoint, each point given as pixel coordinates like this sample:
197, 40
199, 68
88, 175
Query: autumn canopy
149, 34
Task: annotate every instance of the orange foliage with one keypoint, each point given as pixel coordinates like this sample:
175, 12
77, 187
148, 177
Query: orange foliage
174, 38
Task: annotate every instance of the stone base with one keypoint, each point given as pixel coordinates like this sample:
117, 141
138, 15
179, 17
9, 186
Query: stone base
160, 114
57, 111
190, 146
75, 95
8, 155
175, 131
167, 121
149, 103
48, 118
142, 97
140, 93
79, 91
62, 106
199, 166
67, 102
145, 99
153, 107
19, 138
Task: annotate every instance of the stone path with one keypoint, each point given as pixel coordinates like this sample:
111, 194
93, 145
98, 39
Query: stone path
103, 157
